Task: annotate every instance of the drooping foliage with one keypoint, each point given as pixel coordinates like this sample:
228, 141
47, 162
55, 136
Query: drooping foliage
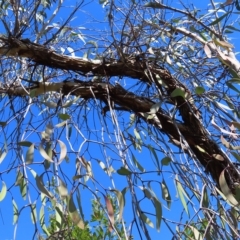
131, 105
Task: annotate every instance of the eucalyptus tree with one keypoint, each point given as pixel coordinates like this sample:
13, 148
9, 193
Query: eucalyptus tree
130, 104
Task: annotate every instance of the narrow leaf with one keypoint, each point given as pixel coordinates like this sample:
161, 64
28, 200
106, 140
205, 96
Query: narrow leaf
30, 154
181, 191
3, 191
63, 152
110, 213
74, 213
165, 193
44, 154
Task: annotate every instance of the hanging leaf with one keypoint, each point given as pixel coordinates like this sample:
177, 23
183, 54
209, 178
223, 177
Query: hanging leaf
204, 202
158, 209
33, 213
30, 154
137, 164
165, 193
110, 213
41, 187
120, 203
226, 190
146, 220
3, 191
218, 19
15, 212
197, 234
44, 154
181, 194
74, 213
63, 151
62, 189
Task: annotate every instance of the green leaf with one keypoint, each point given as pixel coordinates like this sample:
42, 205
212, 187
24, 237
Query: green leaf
49, 151
15, 212
181, 194
204, 198
74, 213
218, 19
25, 143
152, 150
3, 191
63, 151
30, 154
62, 189
137, 164
158, 208
146, 220
226, 190
197, 234
199, 90
165, 161
123, 171
33, 213
165, 193
120, 203
178, 92
44, 154
41, 187
64, 117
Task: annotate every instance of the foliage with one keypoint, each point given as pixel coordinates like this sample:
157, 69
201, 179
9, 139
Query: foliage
125, 113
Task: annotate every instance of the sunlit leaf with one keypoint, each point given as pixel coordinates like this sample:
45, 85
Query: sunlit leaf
62, 189
74, 213
41, 187
44, 154
30, 154
218, 157
146, 220
15, 212
226, 190
197, 234
33, 213
120, 202
3, 191
63, 151
155, 107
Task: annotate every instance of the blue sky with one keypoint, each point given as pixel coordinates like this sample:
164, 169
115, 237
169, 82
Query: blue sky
25, 228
